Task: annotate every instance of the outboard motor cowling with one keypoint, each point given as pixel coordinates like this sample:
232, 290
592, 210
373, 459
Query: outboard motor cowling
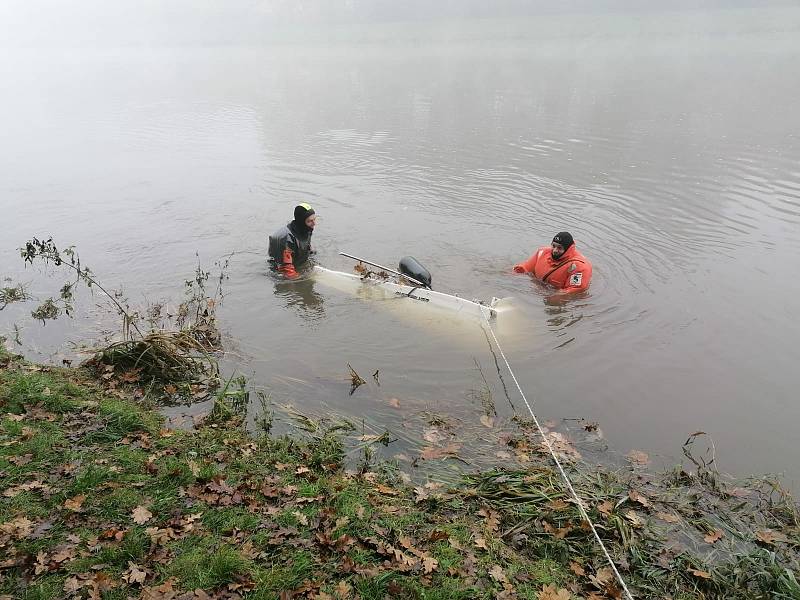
411, 267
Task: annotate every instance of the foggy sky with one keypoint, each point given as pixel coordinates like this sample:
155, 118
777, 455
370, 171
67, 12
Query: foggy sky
176, 22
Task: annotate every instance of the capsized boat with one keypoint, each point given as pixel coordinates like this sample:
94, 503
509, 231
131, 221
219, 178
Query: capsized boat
388, 283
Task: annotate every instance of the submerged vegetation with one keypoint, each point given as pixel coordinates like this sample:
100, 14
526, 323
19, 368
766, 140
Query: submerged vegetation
98, 498
172, 353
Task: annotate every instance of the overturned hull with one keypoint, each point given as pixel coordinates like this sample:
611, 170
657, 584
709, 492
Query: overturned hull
386, 288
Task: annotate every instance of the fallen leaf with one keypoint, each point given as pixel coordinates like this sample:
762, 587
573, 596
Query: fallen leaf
577, 569
637, 497
394, 402
602, 578
487, 421
74, 504
141, 515
437, 535
20, 460
702, 574
497, 573
433, 435
134, 574
605, 508
638, 457
301, 518
769, 537
21, 527
429, 564
343, 589
713, 536
480, 543
634, 518
492, 518
165, 591
549, 592
432, 453
385, 489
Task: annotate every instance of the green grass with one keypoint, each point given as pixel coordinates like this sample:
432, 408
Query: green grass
111, 450
202, 565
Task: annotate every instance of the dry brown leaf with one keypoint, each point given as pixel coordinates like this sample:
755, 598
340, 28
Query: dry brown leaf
429, 564
577, 569
134, 574
20, 460
480, 543
549, 592
433, 435
21, 527
605, 508
702, 574
637, 497
74, 504
557, 504
487, 421
634, 518
602, 578
713, 536
394, 402
343, 589
768, 536
638, 457
385, 489
492, 518
497, 573
165, 591
141, 515
301, 518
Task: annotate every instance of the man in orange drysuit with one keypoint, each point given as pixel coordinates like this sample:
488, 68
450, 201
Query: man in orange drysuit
290, 246
560, 265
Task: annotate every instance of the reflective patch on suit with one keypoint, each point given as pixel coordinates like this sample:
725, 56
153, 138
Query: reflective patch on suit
576, 279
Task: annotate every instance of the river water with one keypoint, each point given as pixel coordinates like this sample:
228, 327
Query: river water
667, 143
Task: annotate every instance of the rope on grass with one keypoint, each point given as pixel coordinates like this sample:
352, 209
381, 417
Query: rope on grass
564, 476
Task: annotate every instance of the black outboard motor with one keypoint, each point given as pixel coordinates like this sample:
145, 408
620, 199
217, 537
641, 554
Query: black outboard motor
411, 267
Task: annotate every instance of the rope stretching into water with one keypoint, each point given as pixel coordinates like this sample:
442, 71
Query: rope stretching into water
564, 476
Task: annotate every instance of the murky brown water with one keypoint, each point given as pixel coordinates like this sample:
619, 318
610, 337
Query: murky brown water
668, 145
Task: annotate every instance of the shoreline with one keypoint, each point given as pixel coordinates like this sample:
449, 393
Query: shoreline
98, 499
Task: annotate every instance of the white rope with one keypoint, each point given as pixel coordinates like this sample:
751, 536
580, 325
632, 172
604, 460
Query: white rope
575, 496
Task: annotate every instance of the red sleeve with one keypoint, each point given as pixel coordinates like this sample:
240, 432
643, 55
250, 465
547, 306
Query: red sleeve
287, 264
528, 265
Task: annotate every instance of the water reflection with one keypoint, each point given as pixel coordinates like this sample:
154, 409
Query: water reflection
300, 296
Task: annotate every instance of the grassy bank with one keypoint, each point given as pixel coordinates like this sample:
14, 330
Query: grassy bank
97, 499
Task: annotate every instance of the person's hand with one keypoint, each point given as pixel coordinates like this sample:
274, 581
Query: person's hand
519, 269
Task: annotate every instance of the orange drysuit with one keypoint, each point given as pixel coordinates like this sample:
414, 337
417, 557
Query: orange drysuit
571, 272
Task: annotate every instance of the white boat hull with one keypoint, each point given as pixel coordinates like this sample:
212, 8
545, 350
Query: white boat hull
388, 288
